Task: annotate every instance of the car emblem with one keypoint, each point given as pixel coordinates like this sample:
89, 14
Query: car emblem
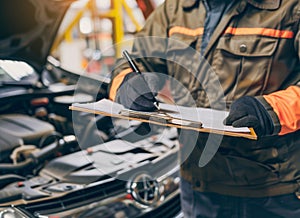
144, 189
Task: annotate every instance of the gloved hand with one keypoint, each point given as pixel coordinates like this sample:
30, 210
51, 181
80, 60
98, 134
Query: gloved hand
248, 111
137, 93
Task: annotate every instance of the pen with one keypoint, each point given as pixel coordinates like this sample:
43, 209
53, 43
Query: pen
134, 67
131, 63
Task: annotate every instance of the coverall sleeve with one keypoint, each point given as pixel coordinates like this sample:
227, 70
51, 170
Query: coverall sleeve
148, 47
286, 103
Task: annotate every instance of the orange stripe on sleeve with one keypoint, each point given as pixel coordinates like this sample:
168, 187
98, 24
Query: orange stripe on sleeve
260, 31
117, 82
286, 104
186, 31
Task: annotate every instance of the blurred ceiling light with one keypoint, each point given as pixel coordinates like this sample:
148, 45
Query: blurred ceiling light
106, 25
103, 4
85, 25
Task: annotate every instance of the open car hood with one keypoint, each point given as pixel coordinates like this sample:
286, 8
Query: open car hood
28, 29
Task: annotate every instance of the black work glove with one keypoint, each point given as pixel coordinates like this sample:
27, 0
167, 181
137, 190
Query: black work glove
137, 93
248, 111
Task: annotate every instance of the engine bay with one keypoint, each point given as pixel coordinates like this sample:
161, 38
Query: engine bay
50, 154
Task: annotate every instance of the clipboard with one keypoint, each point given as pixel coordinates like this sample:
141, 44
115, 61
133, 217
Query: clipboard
198, 119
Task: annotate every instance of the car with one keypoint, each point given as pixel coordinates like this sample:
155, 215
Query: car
55, 162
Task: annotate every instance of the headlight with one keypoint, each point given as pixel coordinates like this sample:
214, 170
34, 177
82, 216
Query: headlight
11, 212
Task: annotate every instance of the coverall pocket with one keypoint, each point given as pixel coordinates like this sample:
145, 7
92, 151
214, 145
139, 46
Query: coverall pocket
250, 172
243, 64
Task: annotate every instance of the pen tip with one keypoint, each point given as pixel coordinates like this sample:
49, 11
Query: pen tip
156, 104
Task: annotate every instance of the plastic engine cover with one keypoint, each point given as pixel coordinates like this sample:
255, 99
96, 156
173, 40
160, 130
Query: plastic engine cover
28, 128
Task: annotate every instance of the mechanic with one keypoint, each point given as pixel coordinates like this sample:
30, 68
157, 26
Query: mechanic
253, 47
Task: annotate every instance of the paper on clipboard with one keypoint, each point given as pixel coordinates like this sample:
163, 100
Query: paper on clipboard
193, 118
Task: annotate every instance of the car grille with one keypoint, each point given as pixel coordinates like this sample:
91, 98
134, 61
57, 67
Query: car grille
78, 198
167, 210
